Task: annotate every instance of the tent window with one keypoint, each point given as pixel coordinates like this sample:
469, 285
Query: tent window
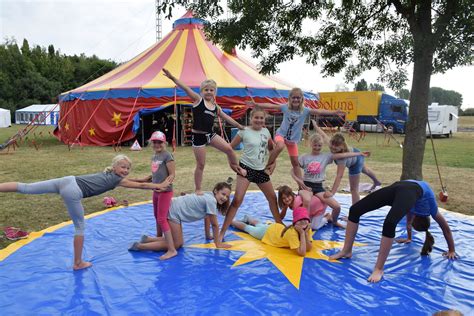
450, 116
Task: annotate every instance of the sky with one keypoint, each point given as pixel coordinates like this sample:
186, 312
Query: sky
120, 29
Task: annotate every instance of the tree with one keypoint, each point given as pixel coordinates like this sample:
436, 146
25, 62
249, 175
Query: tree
446, 97
361, 85
403, 94
355, 35
376, 87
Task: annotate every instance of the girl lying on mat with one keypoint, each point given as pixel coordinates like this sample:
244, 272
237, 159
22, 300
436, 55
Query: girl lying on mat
190, 208
297, 236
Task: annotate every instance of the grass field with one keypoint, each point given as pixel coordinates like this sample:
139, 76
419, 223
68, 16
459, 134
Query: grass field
54, 159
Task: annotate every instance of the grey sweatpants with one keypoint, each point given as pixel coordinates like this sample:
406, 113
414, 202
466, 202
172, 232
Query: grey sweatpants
70, 192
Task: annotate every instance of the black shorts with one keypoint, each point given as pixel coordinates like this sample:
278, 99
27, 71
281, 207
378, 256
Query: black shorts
199, 140
255, 176
316, 187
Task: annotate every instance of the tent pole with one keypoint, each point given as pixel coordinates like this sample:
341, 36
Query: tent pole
143, 132
175, 123
90, 118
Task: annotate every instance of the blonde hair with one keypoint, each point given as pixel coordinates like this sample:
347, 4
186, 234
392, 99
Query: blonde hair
208, 83
115, 162
338, 140
295, 91
316, 138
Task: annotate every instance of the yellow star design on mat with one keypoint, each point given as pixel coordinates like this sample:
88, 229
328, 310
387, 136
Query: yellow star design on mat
66, 126
117, 118
92, 131
285, 259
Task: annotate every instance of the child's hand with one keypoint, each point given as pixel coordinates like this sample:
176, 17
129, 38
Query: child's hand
450, 255
222, 245
168, 74
403, 240
327, 194
340, 112
209, 237
299, 229
250, 103
365, 153
170, 179
303, 186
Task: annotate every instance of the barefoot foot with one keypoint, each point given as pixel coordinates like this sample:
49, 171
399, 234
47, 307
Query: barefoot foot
376, 276
341, 254
199, 192
82, 265
169, 254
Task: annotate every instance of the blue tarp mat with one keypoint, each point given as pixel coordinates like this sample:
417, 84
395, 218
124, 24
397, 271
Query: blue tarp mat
38, 279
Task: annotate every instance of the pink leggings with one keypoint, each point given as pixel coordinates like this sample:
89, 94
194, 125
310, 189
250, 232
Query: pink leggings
161, 207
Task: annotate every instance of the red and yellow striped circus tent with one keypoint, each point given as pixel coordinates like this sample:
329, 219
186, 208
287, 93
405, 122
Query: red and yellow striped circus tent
106, 111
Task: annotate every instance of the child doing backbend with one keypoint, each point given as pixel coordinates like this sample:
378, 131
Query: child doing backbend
74, 188
190, 208
205, 110
314, 166
162, 168
412, 198
287, 199
289, 133
297, 237
356, 165
257, 142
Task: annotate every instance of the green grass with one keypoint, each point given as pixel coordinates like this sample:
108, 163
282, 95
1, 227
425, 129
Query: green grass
54, 159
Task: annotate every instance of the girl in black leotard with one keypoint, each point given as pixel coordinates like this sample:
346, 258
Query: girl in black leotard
205, 110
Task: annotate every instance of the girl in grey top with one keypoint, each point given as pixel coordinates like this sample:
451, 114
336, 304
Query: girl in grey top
190, 208
314, 166
73, 188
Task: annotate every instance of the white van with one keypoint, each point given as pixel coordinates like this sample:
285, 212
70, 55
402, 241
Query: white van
443, 120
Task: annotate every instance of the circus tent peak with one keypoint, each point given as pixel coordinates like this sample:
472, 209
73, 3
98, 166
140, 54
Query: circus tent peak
187, 53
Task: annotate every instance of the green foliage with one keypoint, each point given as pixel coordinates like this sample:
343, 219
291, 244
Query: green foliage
355, 36
445, 97
467, 112
403, 94
361, 85
38, 75
376, 87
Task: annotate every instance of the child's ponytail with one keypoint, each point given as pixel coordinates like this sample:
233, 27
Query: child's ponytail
422, 224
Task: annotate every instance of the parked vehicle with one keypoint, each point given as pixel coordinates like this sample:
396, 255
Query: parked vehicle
442, 119
365, 109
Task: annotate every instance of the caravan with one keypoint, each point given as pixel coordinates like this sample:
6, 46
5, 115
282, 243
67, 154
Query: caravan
443, 120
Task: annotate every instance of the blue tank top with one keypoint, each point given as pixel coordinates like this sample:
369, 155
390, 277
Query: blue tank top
426, 205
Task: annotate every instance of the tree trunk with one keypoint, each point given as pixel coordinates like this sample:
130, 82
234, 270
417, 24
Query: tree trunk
415, 137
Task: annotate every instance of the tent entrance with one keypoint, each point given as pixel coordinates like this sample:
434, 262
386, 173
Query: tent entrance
162, 119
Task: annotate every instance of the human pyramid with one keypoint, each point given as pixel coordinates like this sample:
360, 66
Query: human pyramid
411, 198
